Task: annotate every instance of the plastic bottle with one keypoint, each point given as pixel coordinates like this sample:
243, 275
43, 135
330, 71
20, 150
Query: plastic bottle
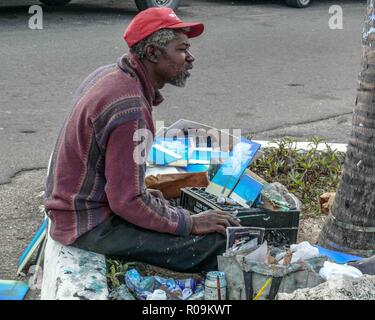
186, 283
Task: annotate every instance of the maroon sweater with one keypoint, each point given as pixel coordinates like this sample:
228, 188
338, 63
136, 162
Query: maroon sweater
92, 173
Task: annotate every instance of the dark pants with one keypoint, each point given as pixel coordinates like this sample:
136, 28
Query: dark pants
116, 238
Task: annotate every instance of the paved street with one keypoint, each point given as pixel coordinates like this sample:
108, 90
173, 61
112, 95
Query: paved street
260, 66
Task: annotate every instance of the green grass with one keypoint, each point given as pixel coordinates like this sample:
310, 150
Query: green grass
307, 174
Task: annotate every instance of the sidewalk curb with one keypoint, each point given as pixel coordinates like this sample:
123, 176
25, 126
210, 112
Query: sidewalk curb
341, 147
75, 274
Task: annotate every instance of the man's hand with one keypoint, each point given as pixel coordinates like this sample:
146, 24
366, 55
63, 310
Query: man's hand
212, 221
156, 193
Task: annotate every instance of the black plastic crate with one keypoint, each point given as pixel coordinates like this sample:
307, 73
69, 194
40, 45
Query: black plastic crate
281, 226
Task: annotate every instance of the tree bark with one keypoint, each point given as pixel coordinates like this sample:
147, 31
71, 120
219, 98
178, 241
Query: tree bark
350, 226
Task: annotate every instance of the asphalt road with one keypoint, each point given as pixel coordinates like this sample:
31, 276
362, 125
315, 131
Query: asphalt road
260, 66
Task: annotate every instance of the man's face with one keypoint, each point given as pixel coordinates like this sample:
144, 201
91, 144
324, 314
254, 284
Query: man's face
175, 61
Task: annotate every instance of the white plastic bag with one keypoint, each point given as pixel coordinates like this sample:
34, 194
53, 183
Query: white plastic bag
333, 270
259, 254
158, 294
303, 251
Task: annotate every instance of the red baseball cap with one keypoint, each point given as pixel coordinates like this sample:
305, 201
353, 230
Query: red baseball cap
153, 19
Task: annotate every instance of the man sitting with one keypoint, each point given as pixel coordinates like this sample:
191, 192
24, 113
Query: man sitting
95, 193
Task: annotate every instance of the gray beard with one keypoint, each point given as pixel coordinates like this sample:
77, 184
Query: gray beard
179, 81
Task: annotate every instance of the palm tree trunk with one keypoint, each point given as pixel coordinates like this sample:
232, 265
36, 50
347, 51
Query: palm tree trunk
350, 226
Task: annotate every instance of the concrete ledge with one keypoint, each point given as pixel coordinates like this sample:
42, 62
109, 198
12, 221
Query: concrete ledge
73, 274
341, 147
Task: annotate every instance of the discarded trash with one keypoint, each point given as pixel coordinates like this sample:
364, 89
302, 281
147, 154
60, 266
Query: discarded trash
186, 283
366, 266
137, 283
186, 293
121, 293
303, 251
175, 289
215, 286
260, 271
337, 256
272, 199
248, 279
197, 296
333, 270
258, 255
158, 294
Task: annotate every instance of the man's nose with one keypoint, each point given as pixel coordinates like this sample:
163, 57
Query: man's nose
189, 56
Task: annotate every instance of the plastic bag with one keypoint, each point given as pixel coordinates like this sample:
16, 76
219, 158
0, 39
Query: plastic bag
121, 293
259, 254
157, 295
272, 199
137, 283
333, 270
303, 251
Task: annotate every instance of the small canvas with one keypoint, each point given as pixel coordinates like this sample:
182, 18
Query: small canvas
246, 191
169, 151
206, 156
226, 178
13, 290
196, 168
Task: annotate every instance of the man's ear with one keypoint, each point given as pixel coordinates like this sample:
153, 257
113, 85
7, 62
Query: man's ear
152, 53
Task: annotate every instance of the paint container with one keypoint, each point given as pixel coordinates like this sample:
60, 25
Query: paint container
186, 283
215, 286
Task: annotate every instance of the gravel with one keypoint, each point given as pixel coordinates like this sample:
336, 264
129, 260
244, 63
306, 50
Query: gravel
362, 288
20, 218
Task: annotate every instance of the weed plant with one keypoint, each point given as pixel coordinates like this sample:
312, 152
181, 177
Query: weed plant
116, 272
306, 173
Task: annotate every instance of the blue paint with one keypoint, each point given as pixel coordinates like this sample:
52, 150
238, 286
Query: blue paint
365, 35
95, 286
372, 17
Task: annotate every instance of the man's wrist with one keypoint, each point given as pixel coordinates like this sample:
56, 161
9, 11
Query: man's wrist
185, 223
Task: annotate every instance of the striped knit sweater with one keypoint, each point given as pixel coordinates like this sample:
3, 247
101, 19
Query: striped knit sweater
92, 173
